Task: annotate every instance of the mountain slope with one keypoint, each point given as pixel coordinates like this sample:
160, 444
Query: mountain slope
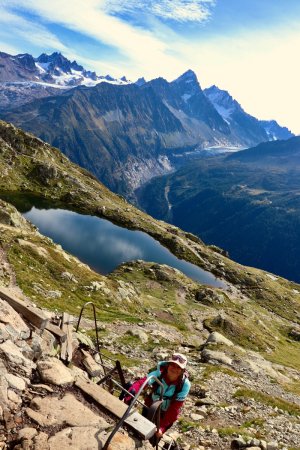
247, 203
121, 134
125, 135
145, 311
242, 124
185, 96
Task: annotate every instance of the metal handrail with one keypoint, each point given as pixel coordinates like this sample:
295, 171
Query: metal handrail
95, 321
134, 401
117, 367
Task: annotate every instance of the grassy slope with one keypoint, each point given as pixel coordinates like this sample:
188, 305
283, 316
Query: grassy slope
258, 308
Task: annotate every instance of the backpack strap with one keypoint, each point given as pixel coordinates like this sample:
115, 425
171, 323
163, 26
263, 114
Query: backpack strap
179, 386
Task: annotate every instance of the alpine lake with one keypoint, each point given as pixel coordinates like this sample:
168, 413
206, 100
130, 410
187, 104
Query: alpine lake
100, 243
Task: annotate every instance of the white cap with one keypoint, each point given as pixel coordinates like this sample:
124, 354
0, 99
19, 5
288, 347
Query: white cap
179, 359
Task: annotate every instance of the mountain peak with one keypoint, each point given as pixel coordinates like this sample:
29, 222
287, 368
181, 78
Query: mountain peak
26, 60
187, 77
140, 81
187, 83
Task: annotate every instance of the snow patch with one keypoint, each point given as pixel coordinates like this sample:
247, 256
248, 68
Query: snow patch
185, 97
42, 67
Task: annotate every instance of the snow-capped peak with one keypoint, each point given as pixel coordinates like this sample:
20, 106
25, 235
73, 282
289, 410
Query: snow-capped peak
57, 69
222, 101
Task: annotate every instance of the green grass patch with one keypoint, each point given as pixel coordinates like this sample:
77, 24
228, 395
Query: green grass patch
33, 269
269, 400
293, 387
253, 423
210, 370
124, 360
128, 339
229, 431
286, 353
186, 425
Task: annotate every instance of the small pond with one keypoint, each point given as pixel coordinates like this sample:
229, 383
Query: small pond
103, 245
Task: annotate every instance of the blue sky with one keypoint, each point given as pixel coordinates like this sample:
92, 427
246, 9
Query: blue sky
248, 47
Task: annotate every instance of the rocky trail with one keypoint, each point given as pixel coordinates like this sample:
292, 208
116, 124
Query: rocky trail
42, 407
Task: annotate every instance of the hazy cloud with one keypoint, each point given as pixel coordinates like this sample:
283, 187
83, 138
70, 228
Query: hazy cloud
178, 10
29, 31
142, 48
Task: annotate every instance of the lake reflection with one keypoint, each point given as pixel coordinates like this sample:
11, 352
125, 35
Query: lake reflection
103, 245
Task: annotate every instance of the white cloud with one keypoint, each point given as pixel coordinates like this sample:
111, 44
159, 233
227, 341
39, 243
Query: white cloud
6, 48
142, 48
178, 10
29, 31
258, 68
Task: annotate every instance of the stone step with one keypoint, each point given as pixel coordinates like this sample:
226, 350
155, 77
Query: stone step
135, 420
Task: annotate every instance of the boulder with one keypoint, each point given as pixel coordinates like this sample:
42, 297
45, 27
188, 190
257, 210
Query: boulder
41, 441
17, 361
295, 334
196, 417
215, 356
15, 382
53, 371
218, 338
27, 433
140, 334
88, 438
121, 442
208, 296
76, 438
44, 173
13, 397
5, 218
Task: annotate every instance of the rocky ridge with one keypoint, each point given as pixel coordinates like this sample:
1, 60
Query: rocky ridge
54, 69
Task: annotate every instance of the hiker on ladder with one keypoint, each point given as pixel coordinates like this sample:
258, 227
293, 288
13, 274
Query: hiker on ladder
173, 375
